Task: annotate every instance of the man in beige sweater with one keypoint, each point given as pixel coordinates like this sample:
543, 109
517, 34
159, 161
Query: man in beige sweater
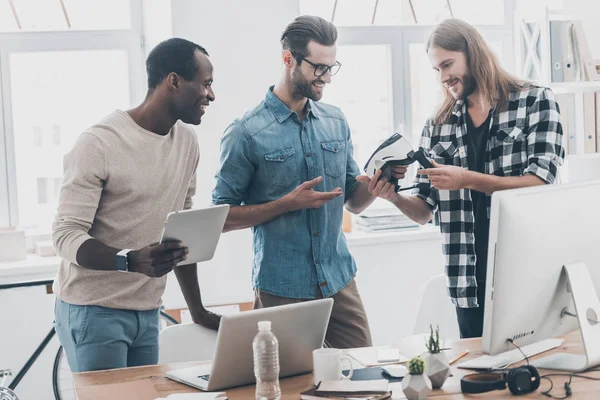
122, 177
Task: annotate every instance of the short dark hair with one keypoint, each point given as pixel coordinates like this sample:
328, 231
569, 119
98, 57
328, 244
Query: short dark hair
305, 28
173, 55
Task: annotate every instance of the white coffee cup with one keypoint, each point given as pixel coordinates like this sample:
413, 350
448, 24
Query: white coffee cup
328, 365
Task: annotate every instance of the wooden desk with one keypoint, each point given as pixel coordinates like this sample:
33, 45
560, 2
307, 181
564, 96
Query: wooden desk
291, 387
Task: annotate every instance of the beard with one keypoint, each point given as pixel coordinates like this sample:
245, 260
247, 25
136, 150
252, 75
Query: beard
301, 87
469, 85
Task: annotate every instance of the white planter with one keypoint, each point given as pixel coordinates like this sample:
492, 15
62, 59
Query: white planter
416, 387
437, 368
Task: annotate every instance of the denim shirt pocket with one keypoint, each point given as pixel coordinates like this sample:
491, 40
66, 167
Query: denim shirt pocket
334, 156
280, 166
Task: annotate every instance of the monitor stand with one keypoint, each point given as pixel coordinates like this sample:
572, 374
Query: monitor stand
587, 308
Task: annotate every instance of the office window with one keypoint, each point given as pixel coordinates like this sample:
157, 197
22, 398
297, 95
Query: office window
56, 135
54, 86
38, 136
362, 90
42, 190
65, 15
59, 106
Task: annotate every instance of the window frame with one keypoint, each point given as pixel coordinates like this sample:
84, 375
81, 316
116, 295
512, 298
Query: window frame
130, 40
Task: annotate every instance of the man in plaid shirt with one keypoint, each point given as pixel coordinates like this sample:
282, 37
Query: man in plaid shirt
492, 132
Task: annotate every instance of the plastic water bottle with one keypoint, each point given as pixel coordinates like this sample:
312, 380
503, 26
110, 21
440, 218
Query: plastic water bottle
266, 363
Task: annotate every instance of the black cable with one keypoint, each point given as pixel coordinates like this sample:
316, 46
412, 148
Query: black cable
568, 391
521, 350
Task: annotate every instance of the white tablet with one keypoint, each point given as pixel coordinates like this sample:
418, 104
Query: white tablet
198, 229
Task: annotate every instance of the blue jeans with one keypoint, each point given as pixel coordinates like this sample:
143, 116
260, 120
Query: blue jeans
96, 338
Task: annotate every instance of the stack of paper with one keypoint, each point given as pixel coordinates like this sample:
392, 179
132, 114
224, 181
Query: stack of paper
386, 219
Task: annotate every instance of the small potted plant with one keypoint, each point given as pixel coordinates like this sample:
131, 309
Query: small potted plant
437, 367
416, 386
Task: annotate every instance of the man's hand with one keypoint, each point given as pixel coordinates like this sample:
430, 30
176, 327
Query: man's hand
399, 171
207, 319
305, 197
446, 177
156, 260
382, 187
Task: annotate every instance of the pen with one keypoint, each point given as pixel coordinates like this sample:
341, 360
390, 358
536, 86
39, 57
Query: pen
459, 356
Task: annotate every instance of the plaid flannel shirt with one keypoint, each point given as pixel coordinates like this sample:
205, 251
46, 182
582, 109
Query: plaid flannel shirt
525, 139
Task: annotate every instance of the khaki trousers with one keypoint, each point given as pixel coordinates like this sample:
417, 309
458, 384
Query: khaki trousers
348, 325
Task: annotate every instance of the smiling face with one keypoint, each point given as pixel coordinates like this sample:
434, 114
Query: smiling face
303, 81
192, 97
453, 72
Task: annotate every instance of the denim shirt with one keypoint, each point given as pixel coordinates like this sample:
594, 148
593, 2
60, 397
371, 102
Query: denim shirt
264, 156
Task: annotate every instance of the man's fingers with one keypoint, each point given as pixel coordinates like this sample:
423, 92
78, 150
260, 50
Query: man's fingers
169, 255
312, 183
380, 185
327, 195
170, 245
389, 190
432, 171
435, 164
363, 178
374, 180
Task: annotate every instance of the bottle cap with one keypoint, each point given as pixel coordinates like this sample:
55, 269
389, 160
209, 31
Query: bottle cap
264, 325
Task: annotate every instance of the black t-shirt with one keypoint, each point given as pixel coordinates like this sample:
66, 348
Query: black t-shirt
477, 138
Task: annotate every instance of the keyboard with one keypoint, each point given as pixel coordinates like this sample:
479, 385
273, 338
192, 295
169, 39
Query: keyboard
503, 360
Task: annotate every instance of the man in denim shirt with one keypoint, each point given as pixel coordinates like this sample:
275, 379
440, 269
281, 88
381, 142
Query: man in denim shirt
287, 170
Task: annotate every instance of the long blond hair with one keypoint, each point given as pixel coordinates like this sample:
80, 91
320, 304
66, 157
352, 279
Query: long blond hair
493, 82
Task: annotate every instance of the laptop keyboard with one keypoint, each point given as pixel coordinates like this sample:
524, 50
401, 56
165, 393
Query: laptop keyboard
204, 377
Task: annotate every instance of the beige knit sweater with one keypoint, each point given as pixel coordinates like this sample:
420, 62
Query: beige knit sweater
120, 182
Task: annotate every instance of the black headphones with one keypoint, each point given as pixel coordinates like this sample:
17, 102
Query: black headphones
520, 380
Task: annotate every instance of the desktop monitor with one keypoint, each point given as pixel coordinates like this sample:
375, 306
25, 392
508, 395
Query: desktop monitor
534, 232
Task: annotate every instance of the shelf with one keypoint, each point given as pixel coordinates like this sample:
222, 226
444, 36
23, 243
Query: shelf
574, 87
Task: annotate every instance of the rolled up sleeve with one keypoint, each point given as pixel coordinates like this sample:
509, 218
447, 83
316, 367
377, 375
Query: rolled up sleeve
236, 169
84, 177
545, 152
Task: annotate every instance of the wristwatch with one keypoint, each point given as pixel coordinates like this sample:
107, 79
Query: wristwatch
122, 263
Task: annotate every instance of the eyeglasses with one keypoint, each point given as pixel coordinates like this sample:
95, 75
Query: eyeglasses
322, 69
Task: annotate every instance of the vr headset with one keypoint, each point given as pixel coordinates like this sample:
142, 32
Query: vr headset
396, 150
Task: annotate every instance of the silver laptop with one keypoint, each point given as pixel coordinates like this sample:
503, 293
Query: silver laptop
300, 328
